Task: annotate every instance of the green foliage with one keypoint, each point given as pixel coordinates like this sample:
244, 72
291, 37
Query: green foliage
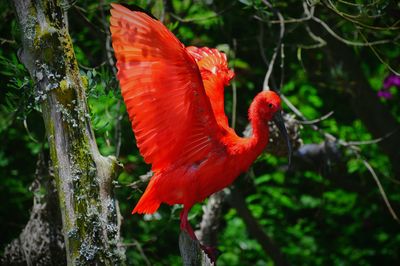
329, 213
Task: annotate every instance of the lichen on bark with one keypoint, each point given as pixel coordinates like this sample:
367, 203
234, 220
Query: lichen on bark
83, 176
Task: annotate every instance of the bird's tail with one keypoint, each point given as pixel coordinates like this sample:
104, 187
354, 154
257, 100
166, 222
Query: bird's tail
149, 202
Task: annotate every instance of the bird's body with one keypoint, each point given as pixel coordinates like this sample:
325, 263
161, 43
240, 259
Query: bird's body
189, 183
175, 100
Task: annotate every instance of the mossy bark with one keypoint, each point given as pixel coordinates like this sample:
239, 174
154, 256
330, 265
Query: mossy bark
83, 176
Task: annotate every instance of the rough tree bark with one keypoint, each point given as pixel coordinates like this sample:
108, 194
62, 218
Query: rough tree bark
210, 221
41, 242
191, 252
83, 177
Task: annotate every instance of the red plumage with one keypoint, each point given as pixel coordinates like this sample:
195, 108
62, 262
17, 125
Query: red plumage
175, 101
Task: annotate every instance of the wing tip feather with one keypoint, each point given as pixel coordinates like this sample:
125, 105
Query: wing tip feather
148, 203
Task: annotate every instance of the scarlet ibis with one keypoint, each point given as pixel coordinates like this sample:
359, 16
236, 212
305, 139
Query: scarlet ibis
174, 96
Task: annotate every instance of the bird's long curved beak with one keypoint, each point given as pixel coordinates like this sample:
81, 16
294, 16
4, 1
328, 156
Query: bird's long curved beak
278, 119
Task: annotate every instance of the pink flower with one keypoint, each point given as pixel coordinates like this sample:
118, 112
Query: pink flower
390, 81
385, 94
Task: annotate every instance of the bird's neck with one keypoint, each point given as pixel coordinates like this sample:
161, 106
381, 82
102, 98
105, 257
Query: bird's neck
260, 130
249, 148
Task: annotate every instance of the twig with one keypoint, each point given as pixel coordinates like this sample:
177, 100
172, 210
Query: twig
91, 68
277, 48
350, 144
358, 5
118, 130
260, 40
3, 41
308, 16
353, 148
309, 122
162, 15
352, 19
282, 65
381, 190
28, 132
372, 141
345, 41
81, 12
379, 57
108, 39
111, 63
320, 42
139, 248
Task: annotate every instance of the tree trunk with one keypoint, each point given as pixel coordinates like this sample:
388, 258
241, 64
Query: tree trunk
82, 175
41, 242
191, 252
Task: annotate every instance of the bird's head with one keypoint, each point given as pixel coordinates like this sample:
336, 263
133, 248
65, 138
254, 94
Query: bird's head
268, 103
267, 107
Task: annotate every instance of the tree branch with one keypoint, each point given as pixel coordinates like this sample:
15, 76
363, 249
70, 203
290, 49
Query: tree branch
83, 177
41, 242
192, 254
210, 221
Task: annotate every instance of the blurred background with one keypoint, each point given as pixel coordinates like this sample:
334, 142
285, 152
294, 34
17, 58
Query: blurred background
337, 65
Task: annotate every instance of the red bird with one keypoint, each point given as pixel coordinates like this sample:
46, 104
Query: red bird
175, 100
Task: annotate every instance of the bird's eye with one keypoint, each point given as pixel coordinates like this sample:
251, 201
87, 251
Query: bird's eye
270, 105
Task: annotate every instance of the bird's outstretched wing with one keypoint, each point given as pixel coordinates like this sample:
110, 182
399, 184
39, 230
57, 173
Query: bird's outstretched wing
216, 75
171, 115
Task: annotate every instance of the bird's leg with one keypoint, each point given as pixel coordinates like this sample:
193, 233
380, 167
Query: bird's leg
211, 252
185, 225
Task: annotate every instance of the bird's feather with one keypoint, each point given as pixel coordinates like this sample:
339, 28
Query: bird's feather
163, 91
216, 75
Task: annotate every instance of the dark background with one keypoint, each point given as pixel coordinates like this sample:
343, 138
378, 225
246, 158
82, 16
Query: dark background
327, 210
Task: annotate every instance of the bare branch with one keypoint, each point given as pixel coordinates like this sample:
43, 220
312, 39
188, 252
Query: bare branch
372, 141
282, 65
106, 30
352, 18
308, 16
359, 5
308, 122
345, 41
139, 248
3, 41
379, 57
320, 42
352, 147
278, 45
381, 190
